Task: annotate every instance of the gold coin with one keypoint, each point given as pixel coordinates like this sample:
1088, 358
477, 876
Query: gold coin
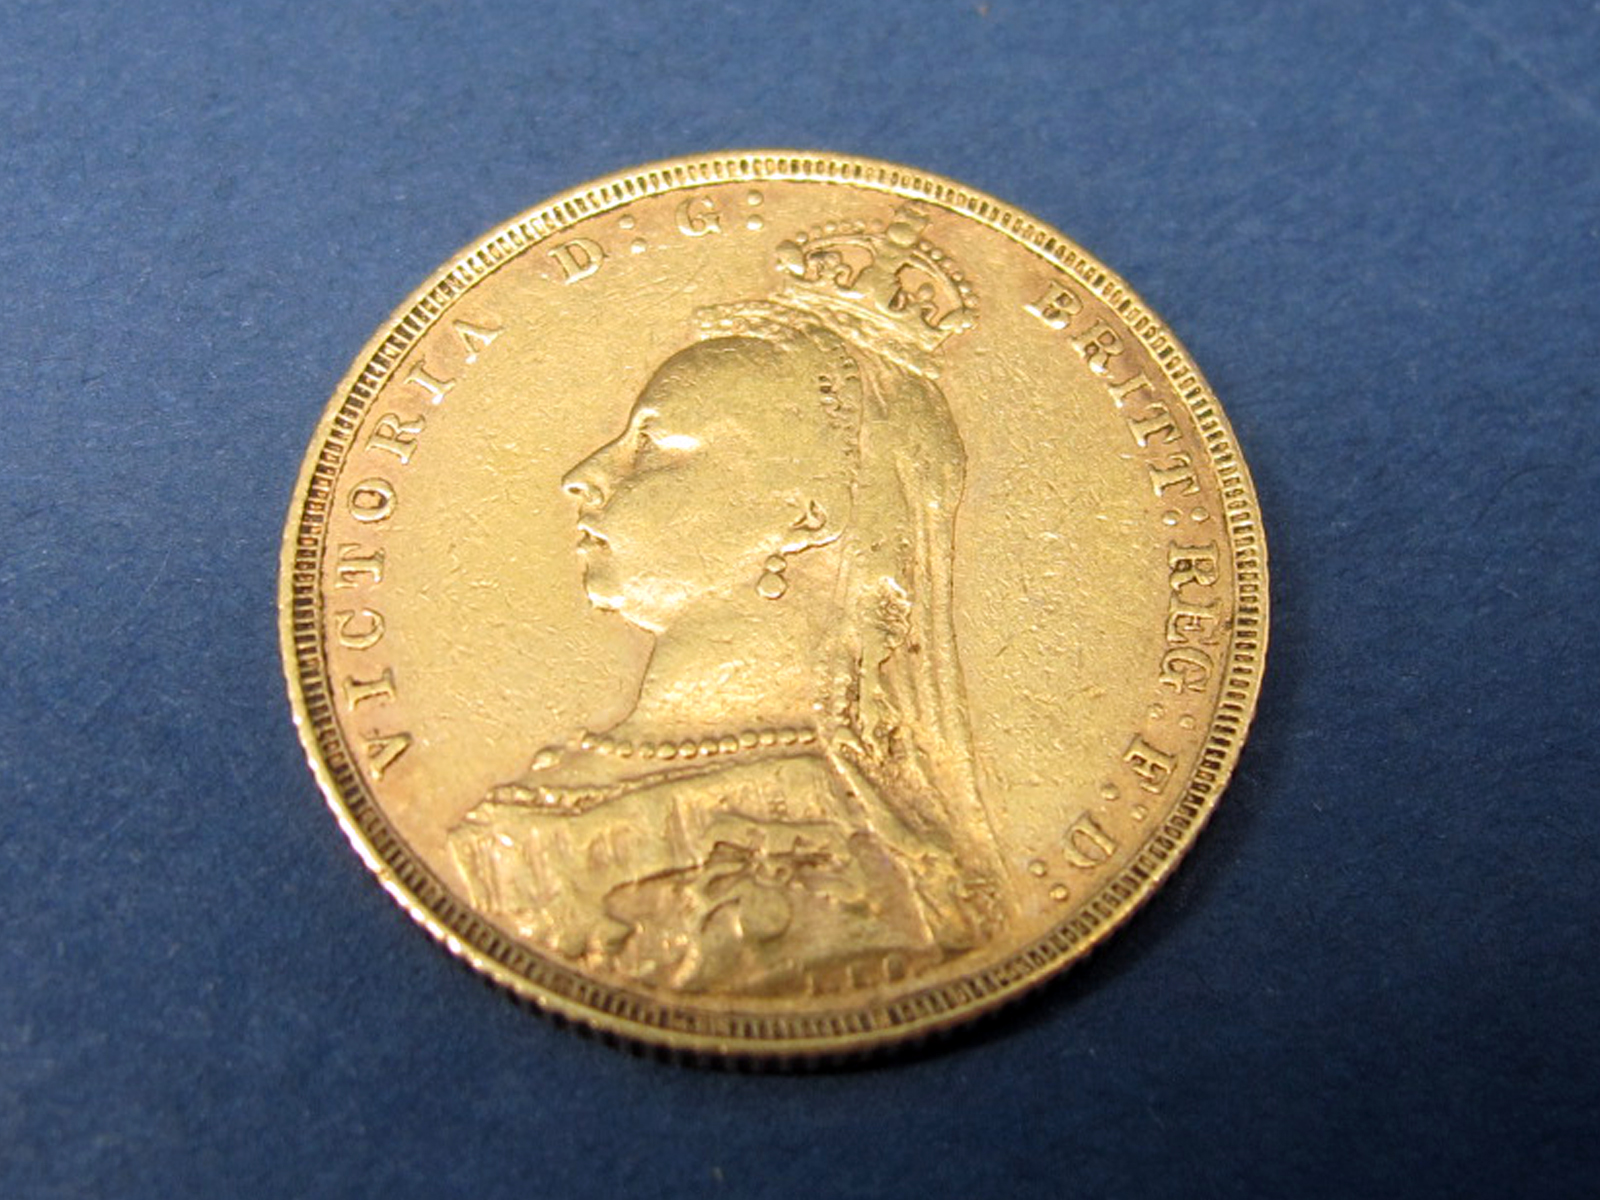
772, 603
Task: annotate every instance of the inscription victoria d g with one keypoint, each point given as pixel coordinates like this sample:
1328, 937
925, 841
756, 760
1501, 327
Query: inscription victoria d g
923, 581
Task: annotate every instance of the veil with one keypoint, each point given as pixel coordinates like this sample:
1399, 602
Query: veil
894, 706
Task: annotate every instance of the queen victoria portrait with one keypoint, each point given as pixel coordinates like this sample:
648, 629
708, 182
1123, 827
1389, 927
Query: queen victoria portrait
790, 807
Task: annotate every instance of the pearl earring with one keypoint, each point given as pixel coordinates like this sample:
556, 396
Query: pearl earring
772, 585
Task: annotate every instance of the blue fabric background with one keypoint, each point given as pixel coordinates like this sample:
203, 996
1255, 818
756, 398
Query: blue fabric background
1377, 227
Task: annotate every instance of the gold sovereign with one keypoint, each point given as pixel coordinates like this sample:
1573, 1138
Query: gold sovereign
772, 603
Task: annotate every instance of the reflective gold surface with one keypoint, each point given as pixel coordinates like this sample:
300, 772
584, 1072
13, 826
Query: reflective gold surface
772, 603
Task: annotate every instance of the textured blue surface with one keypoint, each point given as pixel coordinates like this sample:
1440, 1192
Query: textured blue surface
1377, 226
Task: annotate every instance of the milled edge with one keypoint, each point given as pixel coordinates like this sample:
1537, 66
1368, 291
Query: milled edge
629, 1015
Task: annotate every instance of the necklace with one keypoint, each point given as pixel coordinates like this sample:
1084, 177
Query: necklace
706, 747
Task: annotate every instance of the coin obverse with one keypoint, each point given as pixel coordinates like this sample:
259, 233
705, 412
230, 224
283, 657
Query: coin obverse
772, 603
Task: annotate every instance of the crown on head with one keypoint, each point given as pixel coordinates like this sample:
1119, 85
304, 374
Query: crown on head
887, 284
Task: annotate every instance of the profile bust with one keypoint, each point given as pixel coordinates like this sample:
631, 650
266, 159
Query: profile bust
790, 807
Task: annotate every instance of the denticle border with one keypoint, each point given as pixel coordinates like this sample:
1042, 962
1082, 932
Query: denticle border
681, 1027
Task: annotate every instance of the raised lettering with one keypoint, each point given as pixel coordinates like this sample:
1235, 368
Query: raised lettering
1057, 306
371, 500
354, 562
359, 691
579, 258
1145, 428
1177, 473
396, 436
1152, 767
1098, 345
1187, 669
382, 752
1086, 844
697, 216
359, 629
1195, 565
1191, 623
1121, 391
476, 338
436, 388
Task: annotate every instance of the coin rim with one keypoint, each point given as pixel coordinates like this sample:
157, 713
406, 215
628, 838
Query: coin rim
635, 1015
